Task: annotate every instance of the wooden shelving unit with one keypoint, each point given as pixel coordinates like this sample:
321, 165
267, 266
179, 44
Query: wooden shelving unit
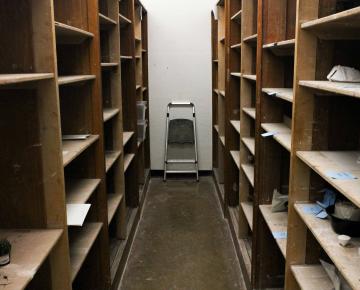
327, 34
275, 71
60, 77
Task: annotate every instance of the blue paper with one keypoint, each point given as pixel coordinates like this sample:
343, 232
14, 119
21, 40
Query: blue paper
280, 235
328, 200
322, 215
341, 175
268, 134
313, 209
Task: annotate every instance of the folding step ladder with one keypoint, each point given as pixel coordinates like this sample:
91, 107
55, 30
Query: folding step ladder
181, 135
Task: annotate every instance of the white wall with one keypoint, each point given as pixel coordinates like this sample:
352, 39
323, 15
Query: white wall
180, 69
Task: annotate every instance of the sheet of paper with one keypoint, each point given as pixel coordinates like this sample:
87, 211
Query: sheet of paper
280, 235
313, 209
76, 214
341, 175
268, 134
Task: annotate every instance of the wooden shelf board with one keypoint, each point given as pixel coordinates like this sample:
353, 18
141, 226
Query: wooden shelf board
236, 46
249, 143
144, 89
249, 77
236, 74
283, 136
347, 89
222, 140
68, 34
312, 277
222, 39
286, 94
110, 158
247, 208
109, 65
81, 244
73, 148
222, 93
236, 125
80, 190
251, 39
113, 202
277, 222
143, 50
8, 79
215, 60
137, 39
138, 87
123, 20
342, 25
126, 137
216, 127
338, 161
106, 21
128, 158
281, 48
109, 113
237, 17
236, 157
125, 57
249, 171
346, 259
30, 248
67, 80
246, 253
251, 112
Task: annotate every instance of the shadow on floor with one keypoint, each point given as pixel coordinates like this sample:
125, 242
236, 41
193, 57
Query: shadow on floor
183, 242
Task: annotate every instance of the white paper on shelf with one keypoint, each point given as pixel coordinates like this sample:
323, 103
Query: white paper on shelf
65, 152
76, 214
75, 137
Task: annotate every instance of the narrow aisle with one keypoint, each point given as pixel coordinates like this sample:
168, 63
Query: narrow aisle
182, 241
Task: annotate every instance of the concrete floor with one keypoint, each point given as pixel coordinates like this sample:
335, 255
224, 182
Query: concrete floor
183, 242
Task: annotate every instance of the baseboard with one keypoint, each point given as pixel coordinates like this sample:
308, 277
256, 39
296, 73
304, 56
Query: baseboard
160, 173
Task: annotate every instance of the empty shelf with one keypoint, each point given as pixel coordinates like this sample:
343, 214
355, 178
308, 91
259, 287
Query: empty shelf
285, 47
249, 143
109, 65
81, 242
222, 93
127, 160
80, 190
138, 87
236, 74
123, 20
113, 202
222, 140
144, 89
346, 259
252, 39
236, 125
282, 93
68, 80
323, 162
137, 39
251, 112
237, 17
348, 89
247, 208
283, 133
126, 137
236, 157
109, 113
236, 46
216, 127
106, 21
8, 79
110, 158
73, 148
342, 25
249, 172
312, 277
29, 250
249, 77
277, 223
67, 34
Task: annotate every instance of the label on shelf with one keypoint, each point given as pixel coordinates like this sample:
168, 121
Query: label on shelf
280, 235
340, 175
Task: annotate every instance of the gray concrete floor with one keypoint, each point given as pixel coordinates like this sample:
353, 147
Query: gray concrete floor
183, 242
